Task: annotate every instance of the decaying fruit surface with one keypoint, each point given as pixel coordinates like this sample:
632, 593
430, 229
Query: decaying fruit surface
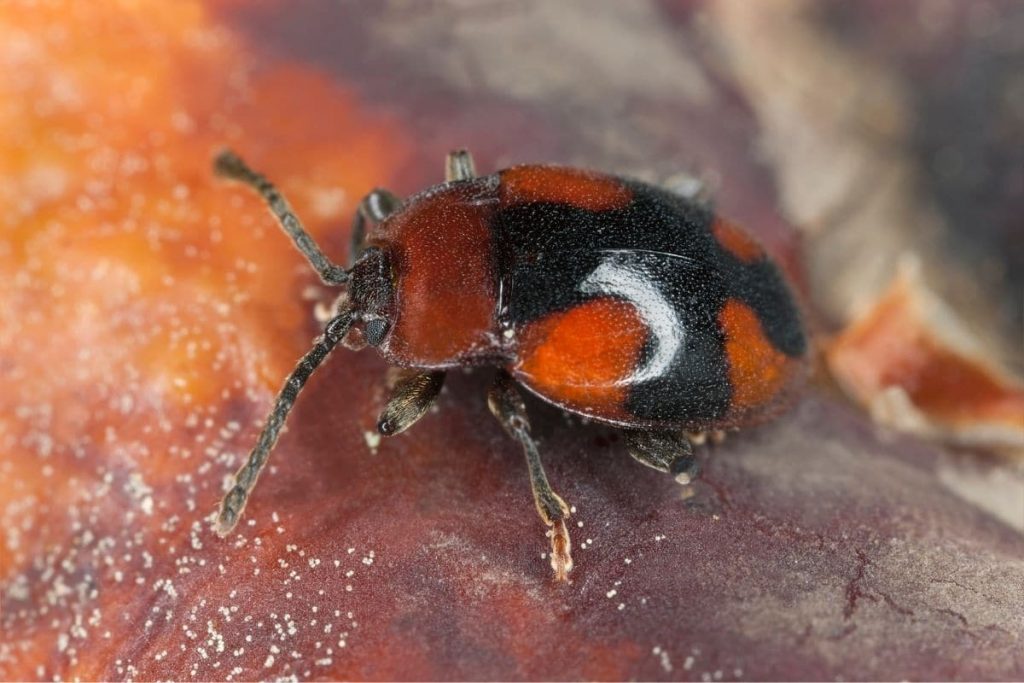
139, 337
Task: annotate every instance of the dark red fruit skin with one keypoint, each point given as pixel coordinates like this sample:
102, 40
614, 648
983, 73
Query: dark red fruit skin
777, 568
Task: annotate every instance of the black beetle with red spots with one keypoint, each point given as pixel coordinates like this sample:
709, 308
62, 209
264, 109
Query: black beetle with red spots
614, 299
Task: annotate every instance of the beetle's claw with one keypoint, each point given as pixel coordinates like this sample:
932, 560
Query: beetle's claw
230, 511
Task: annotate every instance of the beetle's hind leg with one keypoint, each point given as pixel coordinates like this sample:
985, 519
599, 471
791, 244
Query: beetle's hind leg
377, 205
507, 405
664, 451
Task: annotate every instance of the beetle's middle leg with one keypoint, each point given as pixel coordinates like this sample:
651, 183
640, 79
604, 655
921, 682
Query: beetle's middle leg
458, 165
507, 405
668, 452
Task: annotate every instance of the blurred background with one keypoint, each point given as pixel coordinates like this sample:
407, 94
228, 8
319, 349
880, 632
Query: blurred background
148, 314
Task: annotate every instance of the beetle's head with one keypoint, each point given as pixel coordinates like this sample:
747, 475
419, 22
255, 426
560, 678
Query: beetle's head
371, 293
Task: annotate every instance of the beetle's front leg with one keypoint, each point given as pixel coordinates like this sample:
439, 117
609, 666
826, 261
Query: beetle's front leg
507, 405
414, 392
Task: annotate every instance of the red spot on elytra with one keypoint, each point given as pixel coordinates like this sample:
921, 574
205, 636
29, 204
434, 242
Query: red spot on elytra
582, 357
736, 241
576, 187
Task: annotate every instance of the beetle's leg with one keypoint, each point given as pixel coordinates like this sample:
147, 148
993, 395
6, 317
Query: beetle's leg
664, 451
713, 437
377, 205
229, 165
412, 396
690, 187
507, 405
234, 502
459, 166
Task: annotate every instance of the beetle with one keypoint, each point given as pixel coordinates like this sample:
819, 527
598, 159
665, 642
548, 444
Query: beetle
614, 299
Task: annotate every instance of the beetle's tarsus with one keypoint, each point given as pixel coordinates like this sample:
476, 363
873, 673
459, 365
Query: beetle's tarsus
459, 166
561, 551
554, 511
684, 469
714, 436
691, 187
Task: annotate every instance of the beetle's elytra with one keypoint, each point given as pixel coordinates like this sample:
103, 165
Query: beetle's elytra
614, 299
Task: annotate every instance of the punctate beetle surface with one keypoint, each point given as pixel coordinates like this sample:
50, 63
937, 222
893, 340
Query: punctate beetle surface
614, 299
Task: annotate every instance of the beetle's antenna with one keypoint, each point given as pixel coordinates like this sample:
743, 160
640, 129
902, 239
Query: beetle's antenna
245, 479
230, 165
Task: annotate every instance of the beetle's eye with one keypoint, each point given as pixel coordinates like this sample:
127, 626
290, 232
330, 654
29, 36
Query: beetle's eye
375, 330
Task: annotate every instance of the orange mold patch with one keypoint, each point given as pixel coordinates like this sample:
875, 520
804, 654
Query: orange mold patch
149, 311
582, 189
